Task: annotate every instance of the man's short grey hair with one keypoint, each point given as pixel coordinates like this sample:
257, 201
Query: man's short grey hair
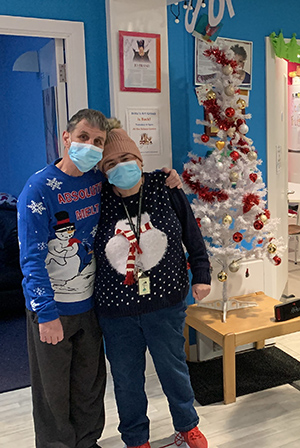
95, 118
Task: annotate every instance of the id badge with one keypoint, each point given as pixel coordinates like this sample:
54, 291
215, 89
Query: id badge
144, 285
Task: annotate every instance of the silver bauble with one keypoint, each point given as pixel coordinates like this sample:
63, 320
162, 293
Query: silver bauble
234, 266
229, 90
227, 70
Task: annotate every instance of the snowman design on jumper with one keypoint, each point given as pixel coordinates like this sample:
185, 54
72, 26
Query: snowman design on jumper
153, 245
63, 260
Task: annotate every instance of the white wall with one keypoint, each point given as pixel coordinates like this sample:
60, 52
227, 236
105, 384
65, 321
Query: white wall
147, 17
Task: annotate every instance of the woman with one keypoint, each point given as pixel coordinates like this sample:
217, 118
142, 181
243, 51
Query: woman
141, 285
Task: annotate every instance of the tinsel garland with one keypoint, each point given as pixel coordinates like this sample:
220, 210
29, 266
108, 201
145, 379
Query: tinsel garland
220, 57
204, 193
249, 200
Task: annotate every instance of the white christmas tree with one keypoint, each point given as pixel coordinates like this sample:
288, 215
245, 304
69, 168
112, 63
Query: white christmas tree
230, 206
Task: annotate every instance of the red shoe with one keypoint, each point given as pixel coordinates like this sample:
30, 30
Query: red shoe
145, 445
194, 438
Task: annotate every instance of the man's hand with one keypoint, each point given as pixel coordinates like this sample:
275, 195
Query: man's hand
200, 291
173, 180
51, 332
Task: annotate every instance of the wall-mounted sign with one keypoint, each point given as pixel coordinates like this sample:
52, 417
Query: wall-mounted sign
143, 127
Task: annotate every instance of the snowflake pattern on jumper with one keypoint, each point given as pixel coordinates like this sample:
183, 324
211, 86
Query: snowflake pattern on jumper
42, 246
54, 183
39, 291
36, 207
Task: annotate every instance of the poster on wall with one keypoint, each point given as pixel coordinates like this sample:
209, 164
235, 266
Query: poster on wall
140, 68
204, 68
243, 55
143, 128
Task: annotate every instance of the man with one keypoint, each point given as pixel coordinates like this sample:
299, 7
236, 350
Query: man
240, 56
59, 210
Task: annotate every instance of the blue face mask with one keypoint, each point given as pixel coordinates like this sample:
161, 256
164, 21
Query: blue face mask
85, 157
125, 175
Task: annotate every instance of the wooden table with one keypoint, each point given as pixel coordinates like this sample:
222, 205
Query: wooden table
243, 326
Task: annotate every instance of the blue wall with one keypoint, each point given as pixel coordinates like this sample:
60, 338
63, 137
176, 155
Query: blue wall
22, 143
253, 21
92, 13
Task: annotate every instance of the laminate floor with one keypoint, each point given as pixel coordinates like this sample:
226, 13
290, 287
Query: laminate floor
267, 419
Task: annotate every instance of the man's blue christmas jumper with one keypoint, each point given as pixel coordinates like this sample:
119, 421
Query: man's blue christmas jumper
58, 218
167, 221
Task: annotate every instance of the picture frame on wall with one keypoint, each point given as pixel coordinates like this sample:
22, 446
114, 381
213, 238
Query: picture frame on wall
243, 55
140, 62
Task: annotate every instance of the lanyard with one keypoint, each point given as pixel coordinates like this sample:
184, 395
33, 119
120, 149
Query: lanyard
136, 230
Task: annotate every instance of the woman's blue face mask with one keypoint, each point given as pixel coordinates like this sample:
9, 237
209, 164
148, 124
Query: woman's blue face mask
124, 175
84, 156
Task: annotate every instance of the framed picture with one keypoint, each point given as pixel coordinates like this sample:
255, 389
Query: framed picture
243, 55
140, 68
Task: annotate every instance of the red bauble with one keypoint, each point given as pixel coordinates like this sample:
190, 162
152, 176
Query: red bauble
198, 222
253, 177
277, 260
229, 112
237, 237
260, 241
234, 155
258, 224
204, 138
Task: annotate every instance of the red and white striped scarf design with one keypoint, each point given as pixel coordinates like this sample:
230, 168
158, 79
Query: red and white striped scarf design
133, 249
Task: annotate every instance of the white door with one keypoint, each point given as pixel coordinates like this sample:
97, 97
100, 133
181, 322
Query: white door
277, 164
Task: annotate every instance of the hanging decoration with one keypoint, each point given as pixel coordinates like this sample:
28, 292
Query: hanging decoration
212, 19
176, 14
289, 50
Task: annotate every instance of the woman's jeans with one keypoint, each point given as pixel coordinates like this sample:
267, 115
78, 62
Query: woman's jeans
126, 340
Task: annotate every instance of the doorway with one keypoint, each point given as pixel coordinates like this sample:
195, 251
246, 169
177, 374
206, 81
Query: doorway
67, 38
277, 157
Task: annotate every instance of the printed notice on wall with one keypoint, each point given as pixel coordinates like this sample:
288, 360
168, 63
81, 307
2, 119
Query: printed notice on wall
143, 128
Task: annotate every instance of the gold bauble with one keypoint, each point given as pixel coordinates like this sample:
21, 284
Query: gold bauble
272, 248
211, 95
222, 276
241, 103
227, 219
263, 218
220, 145
234, 266
233, 176
252, 155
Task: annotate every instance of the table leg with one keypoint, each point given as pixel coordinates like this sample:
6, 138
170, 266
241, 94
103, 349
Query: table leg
229, 382
186, 334
260, 344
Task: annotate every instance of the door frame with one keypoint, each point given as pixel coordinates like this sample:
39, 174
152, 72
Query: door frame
275, 287
73, 35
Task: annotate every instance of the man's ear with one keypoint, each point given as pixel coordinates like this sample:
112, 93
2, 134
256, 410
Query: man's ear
66, 139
